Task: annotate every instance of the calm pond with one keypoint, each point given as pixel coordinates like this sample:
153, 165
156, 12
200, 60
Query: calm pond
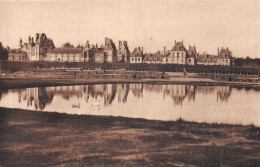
210, 104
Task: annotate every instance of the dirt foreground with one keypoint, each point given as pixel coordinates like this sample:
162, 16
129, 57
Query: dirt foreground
31, 138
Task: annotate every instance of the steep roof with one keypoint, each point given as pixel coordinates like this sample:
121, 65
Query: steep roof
148, 56
206, 57
192, 52
155, 56
110, 44
158, 56
178, 47
47, 43
225, 53
66, 50
137, 52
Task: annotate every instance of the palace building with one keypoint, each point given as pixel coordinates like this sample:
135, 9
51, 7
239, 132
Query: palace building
37, 50
137, 55
42, 48
17, 55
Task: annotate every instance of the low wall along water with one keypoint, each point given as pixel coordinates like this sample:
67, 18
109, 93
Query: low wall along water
16, 66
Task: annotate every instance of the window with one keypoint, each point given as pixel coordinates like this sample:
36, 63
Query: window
13, 57
133, 59
177, 54
166, 59
181, 54
173, 54
189, 60
138, 59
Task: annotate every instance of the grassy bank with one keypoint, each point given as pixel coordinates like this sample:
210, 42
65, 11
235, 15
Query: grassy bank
54, 77
30, 138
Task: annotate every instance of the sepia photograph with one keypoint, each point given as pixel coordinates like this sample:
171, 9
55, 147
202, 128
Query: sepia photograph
114, 83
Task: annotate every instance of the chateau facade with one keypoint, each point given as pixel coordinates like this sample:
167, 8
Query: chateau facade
137, 55
123, 53
43, 49
178, 54
16, 55
65, 55
37, 51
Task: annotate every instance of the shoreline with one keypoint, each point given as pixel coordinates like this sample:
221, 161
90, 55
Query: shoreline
118, 118
61, 77
16, 83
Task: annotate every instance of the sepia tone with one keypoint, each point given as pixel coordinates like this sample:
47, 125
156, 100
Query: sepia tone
129, 83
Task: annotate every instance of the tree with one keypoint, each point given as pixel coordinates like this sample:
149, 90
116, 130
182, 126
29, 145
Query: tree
3, 52
67, 45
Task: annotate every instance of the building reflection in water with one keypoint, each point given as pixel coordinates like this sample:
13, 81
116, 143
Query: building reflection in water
40, 97
137, 90
223, 93
177, 92
212, 104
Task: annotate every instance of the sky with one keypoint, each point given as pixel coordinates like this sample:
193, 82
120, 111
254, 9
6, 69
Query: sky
152, 24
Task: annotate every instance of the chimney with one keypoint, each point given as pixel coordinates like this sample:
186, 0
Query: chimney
120, 45
164, 50
142, 49
96, 45
105, 42
37, 37
218, 51
182, 41
87, 44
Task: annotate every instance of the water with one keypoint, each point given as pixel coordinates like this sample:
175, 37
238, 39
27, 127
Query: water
210, 104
